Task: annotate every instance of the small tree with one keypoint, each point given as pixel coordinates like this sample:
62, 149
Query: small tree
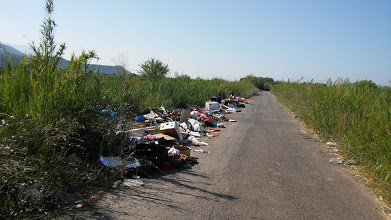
153, 68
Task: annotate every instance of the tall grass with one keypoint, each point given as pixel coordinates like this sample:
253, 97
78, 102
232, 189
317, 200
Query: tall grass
356, 115
141, 93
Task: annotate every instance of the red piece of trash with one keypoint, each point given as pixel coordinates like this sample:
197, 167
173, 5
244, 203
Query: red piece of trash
79, 206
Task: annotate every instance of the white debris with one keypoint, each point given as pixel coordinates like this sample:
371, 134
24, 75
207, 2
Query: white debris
133, 182
202, 151
336, 160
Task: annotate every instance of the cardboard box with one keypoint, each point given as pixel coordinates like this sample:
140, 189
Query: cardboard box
183, 149
170, 128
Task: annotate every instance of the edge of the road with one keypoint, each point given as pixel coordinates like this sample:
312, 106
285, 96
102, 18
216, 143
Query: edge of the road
352, 170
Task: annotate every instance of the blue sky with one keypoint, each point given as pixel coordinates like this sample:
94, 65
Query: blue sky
314, 39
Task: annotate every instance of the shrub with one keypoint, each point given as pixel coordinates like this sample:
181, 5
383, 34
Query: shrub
153, 68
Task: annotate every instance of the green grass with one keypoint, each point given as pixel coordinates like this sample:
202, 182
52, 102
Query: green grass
356, 115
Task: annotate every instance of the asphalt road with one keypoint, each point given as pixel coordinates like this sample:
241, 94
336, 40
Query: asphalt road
265, 166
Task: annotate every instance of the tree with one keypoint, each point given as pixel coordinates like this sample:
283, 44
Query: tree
153, 68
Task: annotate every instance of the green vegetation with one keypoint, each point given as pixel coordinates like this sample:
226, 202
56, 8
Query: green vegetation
153, 68
49, 115
141, 93
263, 83
356, 115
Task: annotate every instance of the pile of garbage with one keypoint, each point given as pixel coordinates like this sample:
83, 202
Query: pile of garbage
164, 139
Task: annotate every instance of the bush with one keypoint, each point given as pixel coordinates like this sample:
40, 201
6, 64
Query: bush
153, 68
262, 83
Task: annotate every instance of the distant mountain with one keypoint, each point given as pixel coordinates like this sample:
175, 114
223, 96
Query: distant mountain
12, 50
17, 56
22, 48
14, 53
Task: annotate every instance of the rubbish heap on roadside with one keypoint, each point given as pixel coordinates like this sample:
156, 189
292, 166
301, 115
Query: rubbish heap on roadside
164, 139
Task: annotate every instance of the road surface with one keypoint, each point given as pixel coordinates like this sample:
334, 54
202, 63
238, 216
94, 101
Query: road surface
265, 166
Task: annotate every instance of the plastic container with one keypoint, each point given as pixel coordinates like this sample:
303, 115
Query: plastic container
212, 106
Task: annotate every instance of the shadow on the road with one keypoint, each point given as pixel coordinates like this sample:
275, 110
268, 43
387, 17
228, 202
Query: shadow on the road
166, 190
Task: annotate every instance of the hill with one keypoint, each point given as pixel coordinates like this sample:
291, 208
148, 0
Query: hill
17, 56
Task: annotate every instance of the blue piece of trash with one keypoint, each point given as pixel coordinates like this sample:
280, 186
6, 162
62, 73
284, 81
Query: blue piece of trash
135, 141
111, 161
109, 111
130, 164
140, 118
117, 162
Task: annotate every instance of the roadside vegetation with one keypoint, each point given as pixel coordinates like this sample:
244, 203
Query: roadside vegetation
262, 83
355, 115
53, 130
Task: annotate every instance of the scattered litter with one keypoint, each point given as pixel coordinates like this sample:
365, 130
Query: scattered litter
212, 135
177, 160
140, 118
331, 144
202, 151
117, 161
334, 149
195, 134
109, 111
212, 106
197, 127
196, 141
78, 206
77, 202
170, 128
218, 125
182, 149
194, 114
173, 151
133, 182
140, 132
336, 160
155, 129
116, 183
216, 99
135, 141
166, 137
185, 115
